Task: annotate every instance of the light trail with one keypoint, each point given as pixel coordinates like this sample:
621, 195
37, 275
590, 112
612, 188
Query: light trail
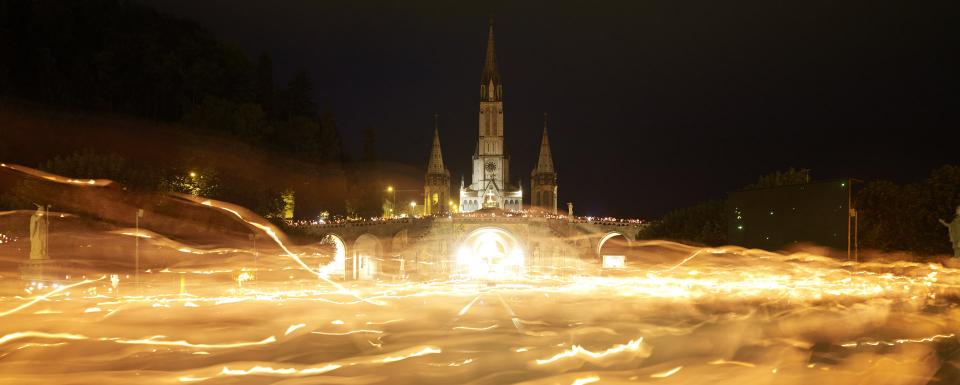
900, 341
577, 351
269, 231
293, 370
349, 332
47, 295
44, 335
153, 341
585, 380
667, 373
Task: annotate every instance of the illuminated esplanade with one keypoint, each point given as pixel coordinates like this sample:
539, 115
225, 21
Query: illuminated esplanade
488, 243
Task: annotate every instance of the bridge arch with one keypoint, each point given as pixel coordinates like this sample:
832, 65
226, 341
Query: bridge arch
400, 242
490, 252
367, 256
337, 265
620, 240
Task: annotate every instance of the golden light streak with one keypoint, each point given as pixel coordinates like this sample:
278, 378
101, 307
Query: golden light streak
900, 341
39, 345
57, 178
466, 308
349, 332
46, 295
467, 361
153, 341
666, 373
491, 327
585, 380
384, 322
268, 230
580, 352
34, 334
293, 328
738, 363
293, 370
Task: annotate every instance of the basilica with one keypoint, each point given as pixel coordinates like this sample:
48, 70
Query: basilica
490, 184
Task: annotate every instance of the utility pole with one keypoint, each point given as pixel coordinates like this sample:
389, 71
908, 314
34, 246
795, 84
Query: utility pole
849, 217
256, 254
46, 232
136, 252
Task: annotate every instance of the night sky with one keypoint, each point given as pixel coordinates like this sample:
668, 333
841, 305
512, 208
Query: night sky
653, 105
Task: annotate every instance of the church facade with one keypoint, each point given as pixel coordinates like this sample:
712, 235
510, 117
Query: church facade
490, 184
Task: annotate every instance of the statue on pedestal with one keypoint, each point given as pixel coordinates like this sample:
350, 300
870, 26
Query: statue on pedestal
39, 224
954, 232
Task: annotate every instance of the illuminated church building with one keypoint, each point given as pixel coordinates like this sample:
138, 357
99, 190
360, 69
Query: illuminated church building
490, 185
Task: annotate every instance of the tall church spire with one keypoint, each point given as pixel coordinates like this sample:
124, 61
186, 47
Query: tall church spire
545, 161
435, 165
490, 83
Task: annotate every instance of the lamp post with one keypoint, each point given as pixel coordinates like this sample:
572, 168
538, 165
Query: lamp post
413, 207
391, 200
393, 191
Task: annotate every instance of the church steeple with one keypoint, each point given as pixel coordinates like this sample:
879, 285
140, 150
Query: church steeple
490, 83
543, 178
435, 165
436, 186
490, 182
545, 161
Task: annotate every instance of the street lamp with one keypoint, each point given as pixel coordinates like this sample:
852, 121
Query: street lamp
392, 200
413, 207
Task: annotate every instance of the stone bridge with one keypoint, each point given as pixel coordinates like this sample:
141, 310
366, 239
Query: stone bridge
471, 244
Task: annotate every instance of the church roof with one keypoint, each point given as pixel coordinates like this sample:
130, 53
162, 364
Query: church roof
491, 71
435, 165
545, 161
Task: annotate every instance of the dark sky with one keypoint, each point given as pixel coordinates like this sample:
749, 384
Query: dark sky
654, 104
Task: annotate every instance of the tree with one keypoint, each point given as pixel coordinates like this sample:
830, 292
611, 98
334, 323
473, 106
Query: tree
298, 97
783, 178
331, 144
88, 164
117, 56
904, 217
243, 120
702, 223
203, 183
265, 88
369, 145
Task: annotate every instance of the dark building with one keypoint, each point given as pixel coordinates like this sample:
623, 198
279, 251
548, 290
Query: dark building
778, 217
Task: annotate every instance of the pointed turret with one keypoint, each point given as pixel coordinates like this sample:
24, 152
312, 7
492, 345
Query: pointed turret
435, 165
545, 161
543, 178
436, 187
490, 83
